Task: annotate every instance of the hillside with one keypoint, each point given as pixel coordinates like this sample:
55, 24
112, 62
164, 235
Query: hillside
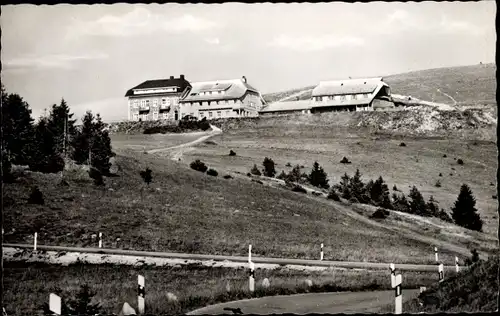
464, 86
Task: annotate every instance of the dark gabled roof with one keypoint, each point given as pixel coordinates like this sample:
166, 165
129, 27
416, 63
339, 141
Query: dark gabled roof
160, 83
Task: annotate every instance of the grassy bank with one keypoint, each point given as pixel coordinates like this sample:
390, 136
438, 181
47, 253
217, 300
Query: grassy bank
471, 291
27, 286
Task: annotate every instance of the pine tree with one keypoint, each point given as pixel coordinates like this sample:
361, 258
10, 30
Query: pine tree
318, 177
294, 175
62, 126
17, 128
101, 147
43, 150
417, 202
255, 170
401, 203
147, 176
357, 186
464, 212
432, 207
344, 187
83, 137
268, 170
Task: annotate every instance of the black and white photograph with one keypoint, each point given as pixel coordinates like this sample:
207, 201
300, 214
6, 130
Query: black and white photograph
249, 158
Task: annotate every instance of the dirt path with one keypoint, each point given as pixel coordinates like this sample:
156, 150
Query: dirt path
179, 150
447, 95
329, 303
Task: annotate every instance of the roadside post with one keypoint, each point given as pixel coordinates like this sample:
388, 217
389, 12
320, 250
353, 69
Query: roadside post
141, 294
100, 240
457, 268
34, 242
251, 279
436, 254
393, 275
249, 253
321, 255
441, 272
55, 304
399, 296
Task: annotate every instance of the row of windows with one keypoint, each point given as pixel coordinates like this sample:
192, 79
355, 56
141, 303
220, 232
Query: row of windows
209, 93
147, 102
342, 97
218, 113
221, 102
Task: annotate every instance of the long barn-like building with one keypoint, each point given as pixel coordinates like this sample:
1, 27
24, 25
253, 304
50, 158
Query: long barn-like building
340, 95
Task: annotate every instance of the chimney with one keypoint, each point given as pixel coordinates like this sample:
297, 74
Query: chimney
244, 79
182, 77
171, 77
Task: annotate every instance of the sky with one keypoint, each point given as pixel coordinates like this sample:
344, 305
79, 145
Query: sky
90, 55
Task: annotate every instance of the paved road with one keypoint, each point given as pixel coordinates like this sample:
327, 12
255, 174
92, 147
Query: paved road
256, 260
331, 303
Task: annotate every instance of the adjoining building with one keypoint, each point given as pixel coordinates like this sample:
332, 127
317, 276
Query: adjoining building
350, 95
287, 108
341, 95
157, 99
221, 99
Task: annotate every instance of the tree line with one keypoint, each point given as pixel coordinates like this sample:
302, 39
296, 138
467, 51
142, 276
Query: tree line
376, 192
43, 146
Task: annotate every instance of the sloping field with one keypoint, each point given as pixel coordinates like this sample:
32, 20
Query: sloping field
186, 211
463, 86
467, 85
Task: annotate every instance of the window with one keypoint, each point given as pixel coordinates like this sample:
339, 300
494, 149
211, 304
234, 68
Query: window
219, 113
228, 112
220, 92
136, 103
155, 102
200, 103
365, 95
136, 117
354, 97
202, 115
208, 102
210, 114
165, 116
342, 97
147, 103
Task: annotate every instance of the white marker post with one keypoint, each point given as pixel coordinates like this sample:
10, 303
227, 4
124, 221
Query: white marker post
34, 242
456, 265
251, 279
321, 255
436, 254
441, 272
55, 304
100, 240
399, 296
249, 253
393, 275
141, 294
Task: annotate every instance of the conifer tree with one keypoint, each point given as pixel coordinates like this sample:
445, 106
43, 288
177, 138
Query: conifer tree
43, 150
268, 170
255, 170
62, 126
417, 202
464, 212
318, 177
17, 128
345, 188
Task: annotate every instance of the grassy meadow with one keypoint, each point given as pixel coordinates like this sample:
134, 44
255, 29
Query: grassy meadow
28, 285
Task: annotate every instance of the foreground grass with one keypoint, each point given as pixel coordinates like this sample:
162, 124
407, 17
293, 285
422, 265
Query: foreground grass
471, 291
28, 285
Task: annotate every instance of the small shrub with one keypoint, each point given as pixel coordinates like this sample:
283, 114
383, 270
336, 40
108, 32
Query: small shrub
316, 193
353, 199
494, 197
212, 172
198, 165
395, 188
255, 170
249, 174
440, 174
269, 170
96, 175
380, 214
460, 161
282, 175
333, 195
146, 176
345, 160
299, 188
438, 184
288, 164
444, 156
36, 196
402, 145
473, 259
232, 153
227, 176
